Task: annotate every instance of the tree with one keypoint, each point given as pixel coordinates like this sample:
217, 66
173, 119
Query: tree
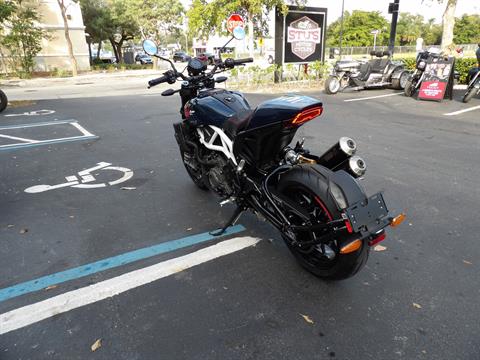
466, 29
63, 10
124, 24
22, 36
97, 21
409, 28
357, 28
448, 19
206, 17
160, 19
432, 33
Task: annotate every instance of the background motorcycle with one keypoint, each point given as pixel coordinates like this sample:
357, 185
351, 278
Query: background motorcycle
243, 155
414, 81
3, 101
473, 86
375, 73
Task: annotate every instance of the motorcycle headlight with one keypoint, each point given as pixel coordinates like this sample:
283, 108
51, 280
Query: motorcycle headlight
421, 65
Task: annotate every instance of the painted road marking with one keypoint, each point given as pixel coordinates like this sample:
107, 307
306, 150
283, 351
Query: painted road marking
34, 113
373, 97
462, 111
85, 177
109, 263
33, 313
86, 135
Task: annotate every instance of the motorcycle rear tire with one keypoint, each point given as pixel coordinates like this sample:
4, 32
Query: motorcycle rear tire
469, 94
307, 181
3, 101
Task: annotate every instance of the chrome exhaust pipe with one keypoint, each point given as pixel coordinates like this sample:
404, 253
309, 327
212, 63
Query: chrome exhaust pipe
338, 153
355, 166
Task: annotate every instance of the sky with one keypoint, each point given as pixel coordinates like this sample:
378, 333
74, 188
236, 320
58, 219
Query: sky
428, 8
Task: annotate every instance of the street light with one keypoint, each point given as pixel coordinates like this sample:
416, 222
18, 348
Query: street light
374, 33
341, 27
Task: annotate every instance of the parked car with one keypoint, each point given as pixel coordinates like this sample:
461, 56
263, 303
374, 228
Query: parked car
208, 58
143, 59
181, 56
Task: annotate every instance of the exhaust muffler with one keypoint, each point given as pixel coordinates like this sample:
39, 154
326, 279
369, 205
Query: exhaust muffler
355, 166
338, 153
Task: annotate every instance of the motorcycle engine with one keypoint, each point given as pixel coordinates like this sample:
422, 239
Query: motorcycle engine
220, 176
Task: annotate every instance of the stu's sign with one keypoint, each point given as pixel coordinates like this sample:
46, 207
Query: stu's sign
304, 34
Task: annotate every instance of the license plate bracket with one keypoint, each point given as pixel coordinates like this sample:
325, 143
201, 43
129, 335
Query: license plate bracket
369, 215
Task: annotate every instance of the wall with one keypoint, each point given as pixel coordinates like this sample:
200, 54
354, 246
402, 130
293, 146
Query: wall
54, 52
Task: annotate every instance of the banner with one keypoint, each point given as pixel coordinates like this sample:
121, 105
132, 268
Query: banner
438, 75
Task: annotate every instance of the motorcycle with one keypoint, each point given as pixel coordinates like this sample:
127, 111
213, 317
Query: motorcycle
244, 156
415, 80
3, 101
473, 85
375, 73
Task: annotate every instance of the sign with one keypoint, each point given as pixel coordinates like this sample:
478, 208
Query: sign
86, 180
233, 21
437, 76
303, 35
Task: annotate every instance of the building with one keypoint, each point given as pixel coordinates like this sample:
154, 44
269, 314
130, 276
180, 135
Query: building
54, 54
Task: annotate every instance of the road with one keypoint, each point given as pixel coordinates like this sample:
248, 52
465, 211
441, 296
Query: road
417, 299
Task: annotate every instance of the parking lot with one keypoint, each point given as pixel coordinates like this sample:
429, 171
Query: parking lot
104, 236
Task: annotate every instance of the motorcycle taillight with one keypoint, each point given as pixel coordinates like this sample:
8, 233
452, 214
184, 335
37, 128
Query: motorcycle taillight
186, 110
306, 115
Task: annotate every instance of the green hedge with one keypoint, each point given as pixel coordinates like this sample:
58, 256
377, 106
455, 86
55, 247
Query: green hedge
462, 65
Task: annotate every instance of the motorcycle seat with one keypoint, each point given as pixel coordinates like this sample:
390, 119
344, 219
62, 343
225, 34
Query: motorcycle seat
379, 65
238, 122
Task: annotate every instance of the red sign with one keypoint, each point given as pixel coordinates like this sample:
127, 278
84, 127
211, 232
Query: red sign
432, 90
233, 21
304, 34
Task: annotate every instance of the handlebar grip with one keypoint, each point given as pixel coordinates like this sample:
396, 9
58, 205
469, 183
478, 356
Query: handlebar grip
242, 61
157, 81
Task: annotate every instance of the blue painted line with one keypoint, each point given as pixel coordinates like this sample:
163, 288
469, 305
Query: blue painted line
44, 123
109, 263
46, 142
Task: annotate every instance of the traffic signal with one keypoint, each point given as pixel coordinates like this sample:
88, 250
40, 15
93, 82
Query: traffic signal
393, 8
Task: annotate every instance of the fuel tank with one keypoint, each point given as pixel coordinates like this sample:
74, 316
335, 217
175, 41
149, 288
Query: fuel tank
215, 106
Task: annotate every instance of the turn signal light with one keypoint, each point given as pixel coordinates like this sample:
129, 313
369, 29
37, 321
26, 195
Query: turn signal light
351, 247
306, 115
397, 220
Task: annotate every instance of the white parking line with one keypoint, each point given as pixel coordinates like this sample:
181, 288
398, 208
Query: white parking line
373, 97
462, 111
33, 313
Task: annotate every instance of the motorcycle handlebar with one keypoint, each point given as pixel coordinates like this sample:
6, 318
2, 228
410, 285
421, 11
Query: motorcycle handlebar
157, 81
242, 61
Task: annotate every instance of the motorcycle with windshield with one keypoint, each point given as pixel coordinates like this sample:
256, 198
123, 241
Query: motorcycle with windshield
245, 157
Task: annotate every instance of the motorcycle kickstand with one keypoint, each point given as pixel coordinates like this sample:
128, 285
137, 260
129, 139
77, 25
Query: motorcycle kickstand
233, 219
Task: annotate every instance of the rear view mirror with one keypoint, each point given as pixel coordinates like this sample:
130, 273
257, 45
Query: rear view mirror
239, 33
150, 47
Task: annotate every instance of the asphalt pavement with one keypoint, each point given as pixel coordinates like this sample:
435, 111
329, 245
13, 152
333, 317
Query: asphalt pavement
416, 299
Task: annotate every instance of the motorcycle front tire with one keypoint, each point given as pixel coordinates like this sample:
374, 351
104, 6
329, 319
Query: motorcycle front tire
409, 88
308, 182
469, 94
330, 87
3, 101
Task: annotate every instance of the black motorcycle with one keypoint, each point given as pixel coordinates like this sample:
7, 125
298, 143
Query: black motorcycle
243, 155
379, 72
473, 85
415, 79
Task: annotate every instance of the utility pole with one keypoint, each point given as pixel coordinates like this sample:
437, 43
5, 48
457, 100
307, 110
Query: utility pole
393, 9
341, 27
